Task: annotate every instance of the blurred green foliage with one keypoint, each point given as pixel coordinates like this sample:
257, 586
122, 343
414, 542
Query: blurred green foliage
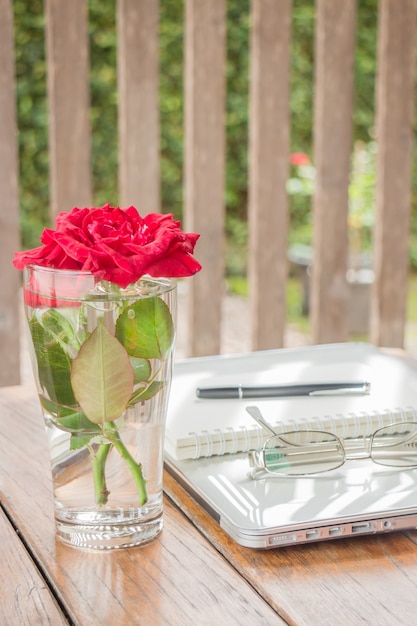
103, 97
32, 119
32, 109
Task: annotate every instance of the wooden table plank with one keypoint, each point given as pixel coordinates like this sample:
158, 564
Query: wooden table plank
24, 596
362, 580
181, 578
178, 579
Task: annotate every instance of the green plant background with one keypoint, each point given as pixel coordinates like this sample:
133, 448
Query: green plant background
32, 113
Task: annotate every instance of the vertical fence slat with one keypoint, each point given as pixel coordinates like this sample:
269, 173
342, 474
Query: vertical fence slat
394, 133
9, 205
68, 99
204, 166
138, 82
269, 143
333, 103
205, 62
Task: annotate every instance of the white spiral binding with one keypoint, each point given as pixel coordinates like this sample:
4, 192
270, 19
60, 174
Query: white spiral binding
235, 442
222, 441
246, 445
209, 442
197, 452
349, 425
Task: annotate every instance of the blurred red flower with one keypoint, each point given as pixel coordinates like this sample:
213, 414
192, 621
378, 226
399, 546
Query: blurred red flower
299, 158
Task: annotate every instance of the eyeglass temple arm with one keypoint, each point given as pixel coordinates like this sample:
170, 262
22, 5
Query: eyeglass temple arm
256, 463
255, 413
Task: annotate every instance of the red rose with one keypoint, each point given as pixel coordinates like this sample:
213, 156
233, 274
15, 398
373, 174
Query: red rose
115, 244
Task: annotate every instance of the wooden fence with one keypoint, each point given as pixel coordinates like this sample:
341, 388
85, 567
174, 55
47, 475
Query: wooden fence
204, 154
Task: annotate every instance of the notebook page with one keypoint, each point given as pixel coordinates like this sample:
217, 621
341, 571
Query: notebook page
200, 427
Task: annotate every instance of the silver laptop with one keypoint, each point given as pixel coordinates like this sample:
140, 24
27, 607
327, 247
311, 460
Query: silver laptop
359, 498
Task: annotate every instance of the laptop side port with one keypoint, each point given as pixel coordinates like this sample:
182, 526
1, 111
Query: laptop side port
361, 528
312, 534
334, 532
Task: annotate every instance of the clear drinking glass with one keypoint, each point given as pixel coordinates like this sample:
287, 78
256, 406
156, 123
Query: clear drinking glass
102, 359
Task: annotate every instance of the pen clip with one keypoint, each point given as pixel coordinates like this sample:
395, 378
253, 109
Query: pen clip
343, 391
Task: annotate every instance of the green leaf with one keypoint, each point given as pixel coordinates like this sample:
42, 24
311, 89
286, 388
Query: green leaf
54, 364
77, 422
141, 369
73, 421
140, 395
56, 410
102, 377
146, 329
60, 328
79, 441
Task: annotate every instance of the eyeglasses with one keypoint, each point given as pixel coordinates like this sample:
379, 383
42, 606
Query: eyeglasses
304, 452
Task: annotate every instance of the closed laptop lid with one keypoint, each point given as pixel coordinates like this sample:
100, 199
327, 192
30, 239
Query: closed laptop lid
358, 498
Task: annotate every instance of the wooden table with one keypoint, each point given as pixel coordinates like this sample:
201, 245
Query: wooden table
192, 574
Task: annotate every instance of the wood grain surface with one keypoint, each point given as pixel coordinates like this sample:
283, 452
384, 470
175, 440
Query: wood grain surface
24, 595
194, 573
178, 579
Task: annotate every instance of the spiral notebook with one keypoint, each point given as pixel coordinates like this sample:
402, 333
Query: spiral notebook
268, 512
203, 428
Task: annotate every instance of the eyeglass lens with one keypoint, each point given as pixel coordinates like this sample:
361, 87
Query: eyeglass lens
303, 452
396, 445
310, 452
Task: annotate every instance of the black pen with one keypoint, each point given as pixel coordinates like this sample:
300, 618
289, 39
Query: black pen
341, 388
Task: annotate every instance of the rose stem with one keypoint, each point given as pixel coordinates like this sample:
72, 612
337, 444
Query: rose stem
135, 468
98, 461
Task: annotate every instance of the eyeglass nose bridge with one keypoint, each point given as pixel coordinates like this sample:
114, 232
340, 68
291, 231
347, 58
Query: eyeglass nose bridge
362, 449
